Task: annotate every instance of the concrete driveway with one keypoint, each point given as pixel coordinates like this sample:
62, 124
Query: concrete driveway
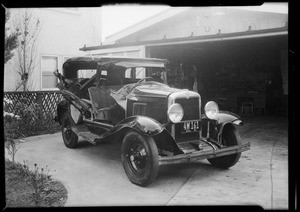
94, 175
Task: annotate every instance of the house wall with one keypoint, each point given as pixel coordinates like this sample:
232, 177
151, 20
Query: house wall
62, 33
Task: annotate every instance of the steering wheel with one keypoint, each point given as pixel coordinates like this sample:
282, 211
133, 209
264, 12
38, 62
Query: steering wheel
101, 81
140, 81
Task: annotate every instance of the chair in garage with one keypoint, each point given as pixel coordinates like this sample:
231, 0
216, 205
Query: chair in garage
247, 107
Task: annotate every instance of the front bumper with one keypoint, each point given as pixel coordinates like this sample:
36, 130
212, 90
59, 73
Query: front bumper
201, 155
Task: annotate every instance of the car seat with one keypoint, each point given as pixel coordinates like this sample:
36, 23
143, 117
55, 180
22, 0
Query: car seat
101, 102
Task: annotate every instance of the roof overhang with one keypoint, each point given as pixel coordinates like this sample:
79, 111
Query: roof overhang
127, 62
198, 39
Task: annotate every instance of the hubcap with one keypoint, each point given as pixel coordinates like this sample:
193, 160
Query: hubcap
137, 156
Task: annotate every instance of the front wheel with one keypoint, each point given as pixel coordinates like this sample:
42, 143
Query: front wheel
230, 137
69, 136
140, 158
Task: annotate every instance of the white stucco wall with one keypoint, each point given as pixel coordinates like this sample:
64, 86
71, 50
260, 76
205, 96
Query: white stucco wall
63, 32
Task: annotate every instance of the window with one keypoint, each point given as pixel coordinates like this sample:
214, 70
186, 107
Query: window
138, 73
86, 73
104, 72
127, 73
48, 65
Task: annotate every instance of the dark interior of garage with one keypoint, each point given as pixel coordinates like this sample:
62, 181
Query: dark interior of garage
242, 76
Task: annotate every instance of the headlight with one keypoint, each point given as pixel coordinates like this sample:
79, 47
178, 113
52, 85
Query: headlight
211, 109
175, 113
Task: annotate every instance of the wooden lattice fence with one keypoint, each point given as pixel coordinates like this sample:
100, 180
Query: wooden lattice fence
47, 99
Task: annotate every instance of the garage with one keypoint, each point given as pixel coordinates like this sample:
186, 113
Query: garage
236, 57
239, 72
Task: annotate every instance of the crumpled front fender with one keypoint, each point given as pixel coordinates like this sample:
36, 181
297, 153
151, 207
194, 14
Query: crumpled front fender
148, 127
217, 125
224, 117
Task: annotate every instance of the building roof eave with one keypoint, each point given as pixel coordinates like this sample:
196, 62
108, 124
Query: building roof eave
193, 39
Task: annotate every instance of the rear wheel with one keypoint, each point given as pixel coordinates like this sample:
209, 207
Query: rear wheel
230, 137
139, 158
69, 136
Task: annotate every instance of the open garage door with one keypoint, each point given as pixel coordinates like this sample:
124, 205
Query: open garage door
248, 72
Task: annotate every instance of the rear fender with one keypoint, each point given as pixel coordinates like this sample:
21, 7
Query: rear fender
62, 107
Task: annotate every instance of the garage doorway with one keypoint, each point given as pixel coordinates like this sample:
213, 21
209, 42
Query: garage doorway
231, 72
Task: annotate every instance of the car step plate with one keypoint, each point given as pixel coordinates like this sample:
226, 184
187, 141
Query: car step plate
83, 132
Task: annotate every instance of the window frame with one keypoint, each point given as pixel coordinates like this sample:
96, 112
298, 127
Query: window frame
41, 72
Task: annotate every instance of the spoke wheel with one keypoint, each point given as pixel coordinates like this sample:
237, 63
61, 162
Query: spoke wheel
139, 158
230, 137
69, 136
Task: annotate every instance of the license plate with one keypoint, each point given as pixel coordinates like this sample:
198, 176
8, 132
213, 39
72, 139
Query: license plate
190, 126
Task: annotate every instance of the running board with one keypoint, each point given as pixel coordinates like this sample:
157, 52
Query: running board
84, 132
104, 126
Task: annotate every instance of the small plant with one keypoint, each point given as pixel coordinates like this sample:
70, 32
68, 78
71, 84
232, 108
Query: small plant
32, 187
38, 179
12, 146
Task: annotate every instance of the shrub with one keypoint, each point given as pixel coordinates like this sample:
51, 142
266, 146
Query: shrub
28, 119
11, 128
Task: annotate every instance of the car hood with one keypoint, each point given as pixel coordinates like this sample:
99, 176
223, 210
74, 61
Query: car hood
154, 89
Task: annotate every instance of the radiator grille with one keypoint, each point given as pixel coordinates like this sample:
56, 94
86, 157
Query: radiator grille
190, 108
191, 112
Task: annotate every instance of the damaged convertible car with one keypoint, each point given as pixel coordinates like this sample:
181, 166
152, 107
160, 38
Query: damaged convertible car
128, 99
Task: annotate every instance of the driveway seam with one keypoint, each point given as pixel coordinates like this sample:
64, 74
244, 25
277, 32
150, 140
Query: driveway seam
180, 187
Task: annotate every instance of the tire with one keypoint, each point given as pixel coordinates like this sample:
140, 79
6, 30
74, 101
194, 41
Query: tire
140, 158
70, 138
230, 137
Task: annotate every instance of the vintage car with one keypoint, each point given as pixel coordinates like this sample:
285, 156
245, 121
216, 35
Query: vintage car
128, 99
